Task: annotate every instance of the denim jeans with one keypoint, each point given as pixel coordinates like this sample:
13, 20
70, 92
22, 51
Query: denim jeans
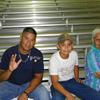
80, 90
9, 91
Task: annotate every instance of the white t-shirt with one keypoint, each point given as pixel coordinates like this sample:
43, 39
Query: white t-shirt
64, 68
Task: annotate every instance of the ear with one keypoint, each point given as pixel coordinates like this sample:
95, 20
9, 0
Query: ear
58, 47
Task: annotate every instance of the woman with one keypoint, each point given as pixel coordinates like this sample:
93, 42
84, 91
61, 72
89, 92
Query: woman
92, 67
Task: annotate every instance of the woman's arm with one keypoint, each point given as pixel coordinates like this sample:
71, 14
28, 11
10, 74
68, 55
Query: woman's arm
91, 64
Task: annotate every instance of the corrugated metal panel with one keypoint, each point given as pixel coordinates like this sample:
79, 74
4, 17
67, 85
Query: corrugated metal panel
50, 18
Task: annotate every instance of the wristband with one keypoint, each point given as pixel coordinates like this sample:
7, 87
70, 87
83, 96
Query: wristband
26, 93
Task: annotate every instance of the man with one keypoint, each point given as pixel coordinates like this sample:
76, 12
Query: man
21, 70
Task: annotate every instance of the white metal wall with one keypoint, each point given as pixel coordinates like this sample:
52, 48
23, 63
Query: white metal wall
50, 18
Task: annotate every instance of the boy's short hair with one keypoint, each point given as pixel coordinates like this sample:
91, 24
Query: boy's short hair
63, 37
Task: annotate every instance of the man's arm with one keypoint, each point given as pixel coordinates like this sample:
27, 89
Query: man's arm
33, 84
4, 74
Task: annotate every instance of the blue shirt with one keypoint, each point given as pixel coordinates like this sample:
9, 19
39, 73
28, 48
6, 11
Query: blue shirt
92, 66
26, 70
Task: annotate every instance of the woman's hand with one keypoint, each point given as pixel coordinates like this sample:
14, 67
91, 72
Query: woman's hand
97, 75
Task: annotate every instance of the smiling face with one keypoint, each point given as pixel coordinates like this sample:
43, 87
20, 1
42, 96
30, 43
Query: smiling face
96, 40
27, 42
65, 48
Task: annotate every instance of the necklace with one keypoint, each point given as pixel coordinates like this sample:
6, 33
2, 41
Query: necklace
28, 56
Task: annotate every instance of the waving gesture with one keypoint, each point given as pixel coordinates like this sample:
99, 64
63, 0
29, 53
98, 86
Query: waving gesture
13, 64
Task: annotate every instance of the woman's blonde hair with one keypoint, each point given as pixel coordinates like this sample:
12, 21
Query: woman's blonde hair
95, 31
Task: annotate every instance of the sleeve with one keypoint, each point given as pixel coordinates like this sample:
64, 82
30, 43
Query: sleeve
91, 63
5, 61
53, 66
39, 65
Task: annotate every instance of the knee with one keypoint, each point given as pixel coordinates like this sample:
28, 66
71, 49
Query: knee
42, 93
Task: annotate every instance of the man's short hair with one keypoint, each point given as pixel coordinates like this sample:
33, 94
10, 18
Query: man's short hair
30, 30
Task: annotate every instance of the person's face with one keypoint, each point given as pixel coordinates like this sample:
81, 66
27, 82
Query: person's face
97, 40
27, 41
65, 48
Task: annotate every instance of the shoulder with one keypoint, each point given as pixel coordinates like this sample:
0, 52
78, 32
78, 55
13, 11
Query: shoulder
11, 49
73, 55
8, 52
73, 52
91, 51
36, 51
55, 55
